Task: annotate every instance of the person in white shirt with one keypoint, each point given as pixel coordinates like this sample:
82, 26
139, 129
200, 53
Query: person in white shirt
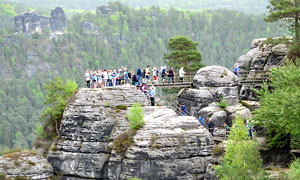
181, 74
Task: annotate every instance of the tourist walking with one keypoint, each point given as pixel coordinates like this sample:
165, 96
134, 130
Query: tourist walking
211, 126
171, 75
139, 75
155, 75
87, 79
182, 109
152, 95
181, 74
163, 73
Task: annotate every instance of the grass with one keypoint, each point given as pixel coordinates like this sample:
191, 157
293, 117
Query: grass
31, 163
218, 150
15, 155
123, 142
122, 107
107, 104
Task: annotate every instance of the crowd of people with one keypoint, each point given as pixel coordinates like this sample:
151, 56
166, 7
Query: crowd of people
106, 78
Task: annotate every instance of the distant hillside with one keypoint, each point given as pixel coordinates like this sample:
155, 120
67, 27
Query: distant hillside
249, 6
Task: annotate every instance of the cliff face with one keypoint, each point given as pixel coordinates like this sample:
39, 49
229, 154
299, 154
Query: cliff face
166, 147
261, 57
31, 22
213, 86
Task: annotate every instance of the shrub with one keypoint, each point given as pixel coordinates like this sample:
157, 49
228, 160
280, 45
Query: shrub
122, 107
294, 172
222, 102
31, 163
136, 117
107, 104
242, 159
135, 178
217, 150
123, 142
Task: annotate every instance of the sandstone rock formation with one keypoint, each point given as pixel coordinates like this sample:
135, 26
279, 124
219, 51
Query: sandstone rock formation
28, 22
58, 20
261, 57
166, 147
25, 164
31, 22
213, 84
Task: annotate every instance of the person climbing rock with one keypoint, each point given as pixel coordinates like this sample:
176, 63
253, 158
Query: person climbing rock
211, 126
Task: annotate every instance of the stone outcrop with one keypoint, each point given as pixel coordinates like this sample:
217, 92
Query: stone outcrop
58, 20
103, 9
25, 164
166, 147
89, 27
214, 86
261, 57
31, 22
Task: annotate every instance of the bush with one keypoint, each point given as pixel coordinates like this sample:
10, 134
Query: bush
136, 117
217, 150
107, 104
123, 142
222, 102
122, 107
135, 178
294, 173
242, 159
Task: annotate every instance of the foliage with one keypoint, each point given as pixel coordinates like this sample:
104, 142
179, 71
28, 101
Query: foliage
183, 54
57, 98
242, 159
135, 178
288, 11
123, 142
122, 107
249, 6
222, 102
136, 117
279, 109
294, 172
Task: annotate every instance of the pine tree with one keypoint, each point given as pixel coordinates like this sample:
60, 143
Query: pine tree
183, 54
289, 12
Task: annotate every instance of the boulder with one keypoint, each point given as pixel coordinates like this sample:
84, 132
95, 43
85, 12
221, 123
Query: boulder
244, 62
58, 20
215, 76
27, 164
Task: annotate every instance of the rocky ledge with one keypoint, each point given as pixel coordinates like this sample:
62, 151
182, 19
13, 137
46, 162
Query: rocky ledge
31, 22
261, 57
27, 164
166, 147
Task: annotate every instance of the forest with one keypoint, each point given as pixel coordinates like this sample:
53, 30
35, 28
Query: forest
128, 37
249, 6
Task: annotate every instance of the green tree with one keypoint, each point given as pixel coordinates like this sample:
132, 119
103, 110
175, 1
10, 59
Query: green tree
183, 54
279, 110
242, 160
57, 98
289, 12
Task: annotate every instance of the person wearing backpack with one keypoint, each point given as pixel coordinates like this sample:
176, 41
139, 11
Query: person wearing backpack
139, 75
163, 73
171, 76
236, 70
134, 79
